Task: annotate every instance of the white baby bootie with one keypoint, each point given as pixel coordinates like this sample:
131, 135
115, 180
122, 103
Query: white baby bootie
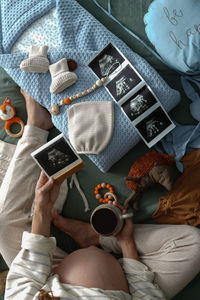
37, 61
61, 76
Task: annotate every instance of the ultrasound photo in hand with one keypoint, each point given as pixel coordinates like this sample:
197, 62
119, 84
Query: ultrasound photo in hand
55, 156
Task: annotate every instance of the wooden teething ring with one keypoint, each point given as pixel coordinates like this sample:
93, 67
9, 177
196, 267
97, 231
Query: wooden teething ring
112, 196
107, 196
18, 134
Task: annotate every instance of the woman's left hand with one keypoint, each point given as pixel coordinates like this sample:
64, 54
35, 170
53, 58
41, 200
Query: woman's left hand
46, 193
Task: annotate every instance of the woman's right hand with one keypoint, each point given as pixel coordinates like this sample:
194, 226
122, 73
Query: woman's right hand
126, 234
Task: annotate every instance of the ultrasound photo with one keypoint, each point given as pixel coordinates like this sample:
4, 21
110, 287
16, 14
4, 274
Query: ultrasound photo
139, 103
153, 125
126, 80
106, 62
56, 157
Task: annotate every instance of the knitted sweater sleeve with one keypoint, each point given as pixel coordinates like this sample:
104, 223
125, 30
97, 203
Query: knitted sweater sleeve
31, 267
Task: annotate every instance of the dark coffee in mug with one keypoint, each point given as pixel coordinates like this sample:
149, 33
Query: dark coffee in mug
107, 219
104, 221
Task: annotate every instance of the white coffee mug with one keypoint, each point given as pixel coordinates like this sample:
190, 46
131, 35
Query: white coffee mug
107, 219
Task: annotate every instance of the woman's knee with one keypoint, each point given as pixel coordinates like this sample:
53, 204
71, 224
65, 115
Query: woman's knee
191, 233
191, 241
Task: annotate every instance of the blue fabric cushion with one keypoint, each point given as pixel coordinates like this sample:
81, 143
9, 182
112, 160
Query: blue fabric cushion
82, 37
173, 27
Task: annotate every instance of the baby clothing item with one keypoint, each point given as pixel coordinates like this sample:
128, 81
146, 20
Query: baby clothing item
90, 125
181, 205
37, 61
61, 76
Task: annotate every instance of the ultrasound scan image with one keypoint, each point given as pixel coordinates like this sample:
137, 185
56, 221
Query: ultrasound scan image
139, 103
153, 125
56, 157
126, 80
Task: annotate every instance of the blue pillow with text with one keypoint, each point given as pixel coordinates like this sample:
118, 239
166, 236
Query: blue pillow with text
173, 27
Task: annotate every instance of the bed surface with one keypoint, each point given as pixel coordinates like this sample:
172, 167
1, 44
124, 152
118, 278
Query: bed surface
90, 176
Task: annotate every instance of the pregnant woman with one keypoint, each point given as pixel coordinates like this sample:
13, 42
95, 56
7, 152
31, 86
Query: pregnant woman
157, 260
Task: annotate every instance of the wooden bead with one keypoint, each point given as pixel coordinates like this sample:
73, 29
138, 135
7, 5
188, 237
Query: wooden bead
55, 107
98, 196
54, 110
103, 80
103, 185
72, 65
99, 82
67, 101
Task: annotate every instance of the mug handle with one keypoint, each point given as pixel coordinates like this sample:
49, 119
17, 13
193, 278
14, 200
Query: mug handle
129, 215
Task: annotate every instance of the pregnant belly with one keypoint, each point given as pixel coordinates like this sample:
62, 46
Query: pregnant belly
92, 267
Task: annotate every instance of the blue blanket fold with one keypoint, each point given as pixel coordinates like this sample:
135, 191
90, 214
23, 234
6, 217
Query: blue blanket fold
82, 37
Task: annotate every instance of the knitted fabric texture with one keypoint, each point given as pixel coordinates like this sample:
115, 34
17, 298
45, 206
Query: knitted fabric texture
145, 163
82, 37
84, 137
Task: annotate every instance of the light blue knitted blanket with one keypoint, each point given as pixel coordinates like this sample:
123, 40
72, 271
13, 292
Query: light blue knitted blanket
82, 37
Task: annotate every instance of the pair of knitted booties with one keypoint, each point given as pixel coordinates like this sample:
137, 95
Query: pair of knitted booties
38, 62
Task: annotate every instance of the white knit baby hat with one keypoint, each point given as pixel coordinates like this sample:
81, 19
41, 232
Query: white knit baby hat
37, 61
61, 76
90, 126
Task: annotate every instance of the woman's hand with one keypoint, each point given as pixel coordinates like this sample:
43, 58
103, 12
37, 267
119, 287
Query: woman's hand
125, 236
46, 193
127, 231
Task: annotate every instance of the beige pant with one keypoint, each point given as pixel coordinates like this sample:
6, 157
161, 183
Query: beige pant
171, 251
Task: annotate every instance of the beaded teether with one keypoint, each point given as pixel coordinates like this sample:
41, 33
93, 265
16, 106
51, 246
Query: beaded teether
107, 196
56, 107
